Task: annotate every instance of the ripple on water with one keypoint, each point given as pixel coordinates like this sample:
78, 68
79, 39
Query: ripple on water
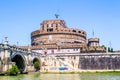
84, 76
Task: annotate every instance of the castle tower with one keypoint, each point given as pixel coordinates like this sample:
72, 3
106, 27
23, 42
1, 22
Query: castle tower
93, 42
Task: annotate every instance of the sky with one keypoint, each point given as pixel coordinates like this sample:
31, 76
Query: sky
18, 18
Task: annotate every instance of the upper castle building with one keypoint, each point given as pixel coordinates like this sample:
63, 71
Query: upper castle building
55, 32
55, 37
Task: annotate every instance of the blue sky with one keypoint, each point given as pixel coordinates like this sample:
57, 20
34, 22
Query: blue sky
18, 18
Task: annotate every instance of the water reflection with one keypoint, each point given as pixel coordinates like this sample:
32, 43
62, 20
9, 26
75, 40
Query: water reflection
85, 76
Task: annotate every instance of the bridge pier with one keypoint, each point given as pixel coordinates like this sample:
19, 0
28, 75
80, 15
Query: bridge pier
6, 63
29, 67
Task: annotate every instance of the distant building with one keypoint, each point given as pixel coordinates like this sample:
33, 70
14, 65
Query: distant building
55, 37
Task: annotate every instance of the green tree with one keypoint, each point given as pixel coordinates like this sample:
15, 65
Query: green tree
37, 65
103, 46
111, 49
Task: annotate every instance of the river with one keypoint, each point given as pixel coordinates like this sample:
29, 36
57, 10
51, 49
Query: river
84, 76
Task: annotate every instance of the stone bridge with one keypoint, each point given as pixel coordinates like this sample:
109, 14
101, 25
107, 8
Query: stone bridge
24, 59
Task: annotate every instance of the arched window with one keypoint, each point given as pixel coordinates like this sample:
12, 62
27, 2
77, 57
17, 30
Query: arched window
47, 25
51, 25
74, 30
56, 26
83, 33
79, 31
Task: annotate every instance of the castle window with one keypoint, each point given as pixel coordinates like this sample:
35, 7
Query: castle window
76, 49
83, 33
51, 25
47, 25
50, 30
74, 30
79, 31
74, 57
56, 26
73, 49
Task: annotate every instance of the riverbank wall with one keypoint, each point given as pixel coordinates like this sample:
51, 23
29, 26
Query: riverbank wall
96, 61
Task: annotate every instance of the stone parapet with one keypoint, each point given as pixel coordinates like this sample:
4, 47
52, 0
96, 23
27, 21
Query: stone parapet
93, 40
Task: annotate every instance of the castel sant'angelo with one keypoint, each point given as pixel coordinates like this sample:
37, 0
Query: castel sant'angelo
55, 37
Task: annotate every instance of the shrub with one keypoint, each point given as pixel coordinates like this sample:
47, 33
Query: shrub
14, 70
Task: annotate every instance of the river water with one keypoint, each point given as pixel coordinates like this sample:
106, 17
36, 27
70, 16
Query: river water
84, 76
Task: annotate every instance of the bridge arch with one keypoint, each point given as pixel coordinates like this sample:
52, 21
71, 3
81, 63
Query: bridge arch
39, 63
19, 60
